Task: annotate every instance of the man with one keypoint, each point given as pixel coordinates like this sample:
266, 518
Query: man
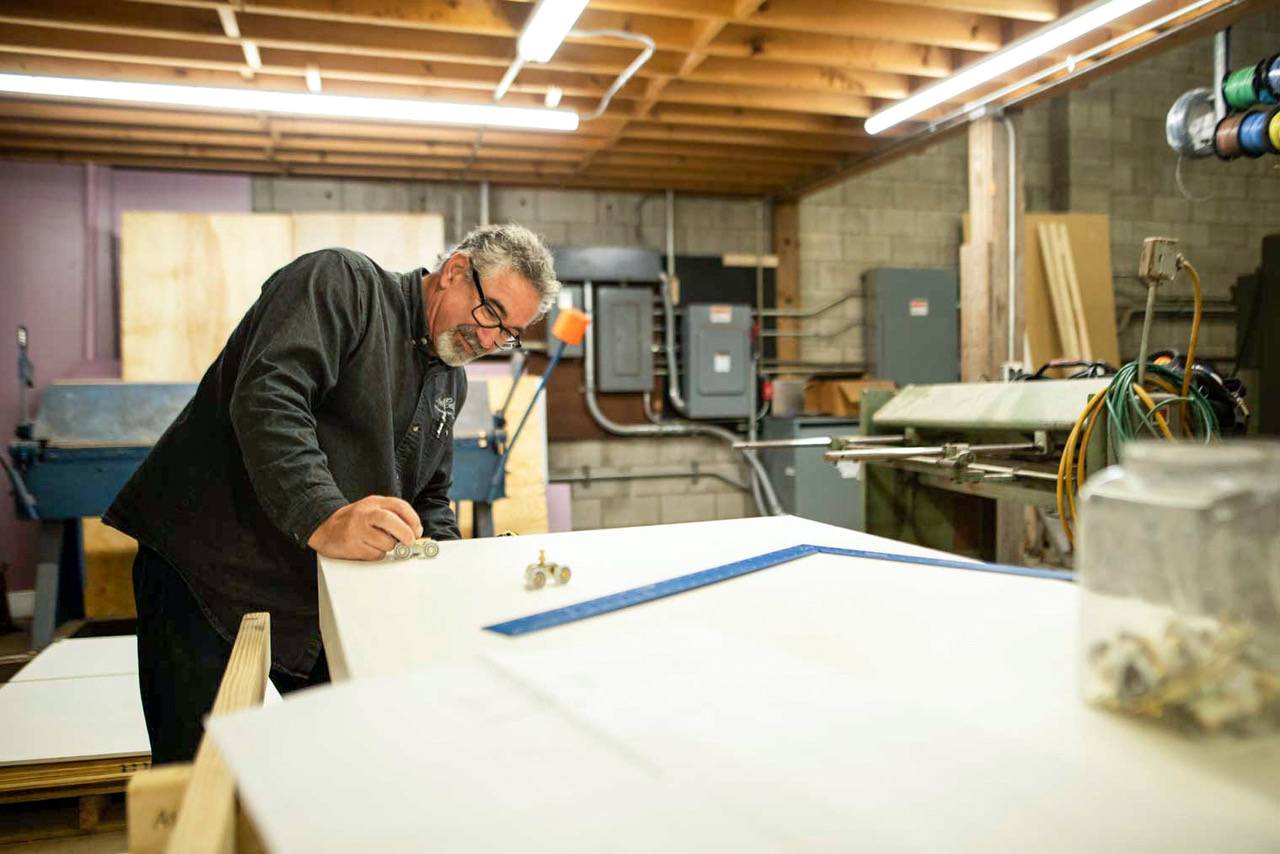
325, 425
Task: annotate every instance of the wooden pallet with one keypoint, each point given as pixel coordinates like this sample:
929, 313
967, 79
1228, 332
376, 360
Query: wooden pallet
62, 816
59, 799
36, 782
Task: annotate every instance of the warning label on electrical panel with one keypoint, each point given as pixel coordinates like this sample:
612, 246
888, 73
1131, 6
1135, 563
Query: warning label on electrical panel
721, 314
919, 308
723, 363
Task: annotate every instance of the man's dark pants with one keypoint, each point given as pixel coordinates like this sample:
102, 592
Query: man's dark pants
181, 659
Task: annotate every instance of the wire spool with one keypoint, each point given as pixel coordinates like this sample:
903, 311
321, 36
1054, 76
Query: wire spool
1226, 137
1254, 135
1246, 86
1273, 130
1190, 124
1271, 75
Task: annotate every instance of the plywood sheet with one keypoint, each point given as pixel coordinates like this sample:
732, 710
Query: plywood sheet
57, 720
399, 615
398, 242
74, 658
524, 510
797, 708
186, 280
1090, 236
108, 572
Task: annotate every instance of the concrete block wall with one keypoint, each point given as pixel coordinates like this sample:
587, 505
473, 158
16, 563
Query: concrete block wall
618, 504
704, 226
1103, 149
907, 214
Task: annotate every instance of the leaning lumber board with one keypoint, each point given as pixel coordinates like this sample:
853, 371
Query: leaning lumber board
206, 818
1067, 264
1062, 310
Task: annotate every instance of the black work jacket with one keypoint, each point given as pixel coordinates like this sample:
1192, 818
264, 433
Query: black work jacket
328, 391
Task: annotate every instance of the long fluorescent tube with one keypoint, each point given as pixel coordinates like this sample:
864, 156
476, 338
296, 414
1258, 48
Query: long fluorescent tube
546, 28
1072, 27
294, 103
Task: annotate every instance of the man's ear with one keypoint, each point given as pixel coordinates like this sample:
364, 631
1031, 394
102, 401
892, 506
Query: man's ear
459, 267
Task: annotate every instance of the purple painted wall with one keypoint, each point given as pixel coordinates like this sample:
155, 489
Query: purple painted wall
59, 242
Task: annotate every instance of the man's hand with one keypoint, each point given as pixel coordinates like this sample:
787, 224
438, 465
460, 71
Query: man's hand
367, 529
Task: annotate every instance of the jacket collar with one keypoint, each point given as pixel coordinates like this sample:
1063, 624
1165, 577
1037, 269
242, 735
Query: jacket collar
422, 342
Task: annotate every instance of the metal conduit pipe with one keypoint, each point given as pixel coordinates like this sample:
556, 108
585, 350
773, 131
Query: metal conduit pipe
627, 73
1011, 220
669, 343
693, 473
1221, 65
800, 314
669, 428
674, 391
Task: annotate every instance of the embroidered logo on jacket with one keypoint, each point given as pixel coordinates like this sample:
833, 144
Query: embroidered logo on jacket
445, 410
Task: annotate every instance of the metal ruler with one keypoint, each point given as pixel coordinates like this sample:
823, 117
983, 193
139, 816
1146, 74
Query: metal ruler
692, 581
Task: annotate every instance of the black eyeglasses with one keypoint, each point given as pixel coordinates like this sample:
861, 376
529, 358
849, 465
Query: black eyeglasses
486, 315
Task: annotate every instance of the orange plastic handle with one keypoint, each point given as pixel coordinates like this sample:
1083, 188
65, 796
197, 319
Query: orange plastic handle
571, 326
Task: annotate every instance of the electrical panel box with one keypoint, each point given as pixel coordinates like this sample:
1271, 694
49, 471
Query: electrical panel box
570, 296
717, 360
911, 320
624, 338
807, 485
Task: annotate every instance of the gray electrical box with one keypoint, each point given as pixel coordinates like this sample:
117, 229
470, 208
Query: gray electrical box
624, 338
807, 485
912, 325
717, 360
570, 296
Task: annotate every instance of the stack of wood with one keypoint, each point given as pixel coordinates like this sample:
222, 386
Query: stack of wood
74, 735
1069, 295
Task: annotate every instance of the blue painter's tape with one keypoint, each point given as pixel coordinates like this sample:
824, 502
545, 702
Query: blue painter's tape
703, 578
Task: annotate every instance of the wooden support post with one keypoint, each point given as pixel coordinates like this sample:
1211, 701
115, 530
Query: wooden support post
786, 245
984, 284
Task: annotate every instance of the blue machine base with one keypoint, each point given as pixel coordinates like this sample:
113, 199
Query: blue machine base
672, 586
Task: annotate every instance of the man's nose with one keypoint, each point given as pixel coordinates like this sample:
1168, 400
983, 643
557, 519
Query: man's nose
488, 337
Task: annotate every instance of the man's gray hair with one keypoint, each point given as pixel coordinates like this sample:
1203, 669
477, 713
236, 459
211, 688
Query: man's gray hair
492, 248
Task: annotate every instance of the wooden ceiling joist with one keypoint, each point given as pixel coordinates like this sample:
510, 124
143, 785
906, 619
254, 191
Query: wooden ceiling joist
762, 44
741, 96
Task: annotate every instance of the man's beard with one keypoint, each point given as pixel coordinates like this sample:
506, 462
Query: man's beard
449, 346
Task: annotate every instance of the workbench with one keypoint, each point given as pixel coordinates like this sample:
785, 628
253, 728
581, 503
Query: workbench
830, 703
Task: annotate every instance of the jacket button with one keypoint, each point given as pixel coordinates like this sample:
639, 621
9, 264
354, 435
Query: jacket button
415, 428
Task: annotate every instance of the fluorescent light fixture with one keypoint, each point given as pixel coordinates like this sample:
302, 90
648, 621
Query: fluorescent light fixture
251, 55
314, 83
293, 103
546, 28
554, 94
1069, 28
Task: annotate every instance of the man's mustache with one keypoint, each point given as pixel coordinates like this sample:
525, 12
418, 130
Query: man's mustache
473, 340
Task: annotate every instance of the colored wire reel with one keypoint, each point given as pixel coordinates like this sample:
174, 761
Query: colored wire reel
1246, 87
1251, 134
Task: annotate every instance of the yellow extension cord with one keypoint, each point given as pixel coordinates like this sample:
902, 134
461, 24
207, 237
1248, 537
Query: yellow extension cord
1082, 432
